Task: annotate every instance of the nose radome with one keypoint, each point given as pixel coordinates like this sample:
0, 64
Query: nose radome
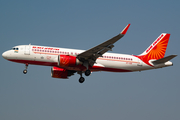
4, 55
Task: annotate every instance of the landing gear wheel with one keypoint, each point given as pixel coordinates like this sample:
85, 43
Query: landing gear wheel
87, 72
24, 71
26, 66
81, 80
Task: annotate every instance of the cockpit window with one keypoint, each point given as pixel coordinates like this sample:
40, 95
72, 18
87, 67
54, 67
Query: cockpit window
15, 48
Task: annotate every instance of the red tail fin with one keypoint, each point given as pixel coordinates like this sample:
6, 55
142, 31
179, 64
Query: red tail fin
156, 50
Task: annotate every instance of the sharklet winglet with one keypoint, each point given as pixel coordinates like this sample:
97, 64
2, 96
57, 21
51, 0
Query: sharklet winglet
125, 29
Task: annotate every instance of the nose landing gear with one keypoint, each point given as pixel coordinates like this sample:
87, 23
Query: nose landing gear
24, 71
26, 66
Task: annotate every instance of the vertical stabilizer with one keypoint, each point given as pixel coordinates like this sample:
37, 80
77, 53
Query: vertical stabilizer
156, 50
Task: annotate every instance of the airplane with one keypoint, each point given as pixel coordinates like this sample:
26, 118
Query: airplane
65, 62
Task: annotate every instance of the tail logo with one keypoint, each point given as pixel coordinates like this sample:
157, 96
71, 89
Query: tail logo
156, 50
154, 43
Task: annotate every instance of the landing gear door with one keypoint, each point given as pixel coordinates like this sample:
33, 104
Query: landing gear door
27, 49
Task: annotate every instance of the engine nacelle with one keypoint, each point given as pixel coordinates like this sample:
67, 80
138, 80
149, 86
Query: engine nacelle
67, 61
59, 73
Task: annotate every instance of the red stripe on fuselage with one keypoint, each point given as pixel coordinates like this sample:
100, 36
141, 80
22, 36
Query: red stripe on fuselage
77, 68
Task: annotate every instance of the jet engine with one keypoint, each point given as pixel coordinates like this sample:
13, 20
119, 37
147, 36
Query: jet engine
57, 72
67, 61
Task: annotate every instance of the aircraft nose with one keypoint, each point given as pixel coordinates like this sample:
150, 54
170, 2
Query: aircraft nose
4, 55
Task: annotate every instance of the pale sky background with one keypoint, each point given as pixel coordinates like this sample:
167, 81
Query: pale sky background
82, 24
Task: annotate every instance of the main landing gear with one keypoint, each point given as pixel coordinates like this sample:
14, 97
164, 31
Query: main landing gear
87, 72
82, 79
26, 66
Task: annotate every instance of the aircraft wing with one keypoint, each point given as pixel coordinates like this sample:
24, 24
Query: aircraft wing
92, 54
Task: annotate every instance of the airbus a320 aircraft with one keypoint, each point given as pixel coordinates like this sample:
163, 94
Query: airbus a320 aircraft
66, 62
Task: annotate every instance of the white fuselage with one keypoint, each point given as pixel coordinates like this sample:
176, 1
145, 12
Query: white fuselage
43, 55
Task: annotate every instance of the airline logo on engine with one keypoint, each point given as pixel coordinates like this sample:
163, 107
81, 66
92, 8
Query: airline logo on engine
154, 43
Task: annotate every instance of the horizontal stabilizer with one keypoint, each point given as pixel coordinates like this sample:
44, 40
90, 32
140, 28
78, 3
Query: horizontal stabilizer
163, 60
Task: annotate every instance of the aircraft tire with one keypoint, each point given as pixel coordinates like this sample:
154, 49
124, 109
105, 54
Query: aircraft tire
87, 72
81, 79
24, 71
